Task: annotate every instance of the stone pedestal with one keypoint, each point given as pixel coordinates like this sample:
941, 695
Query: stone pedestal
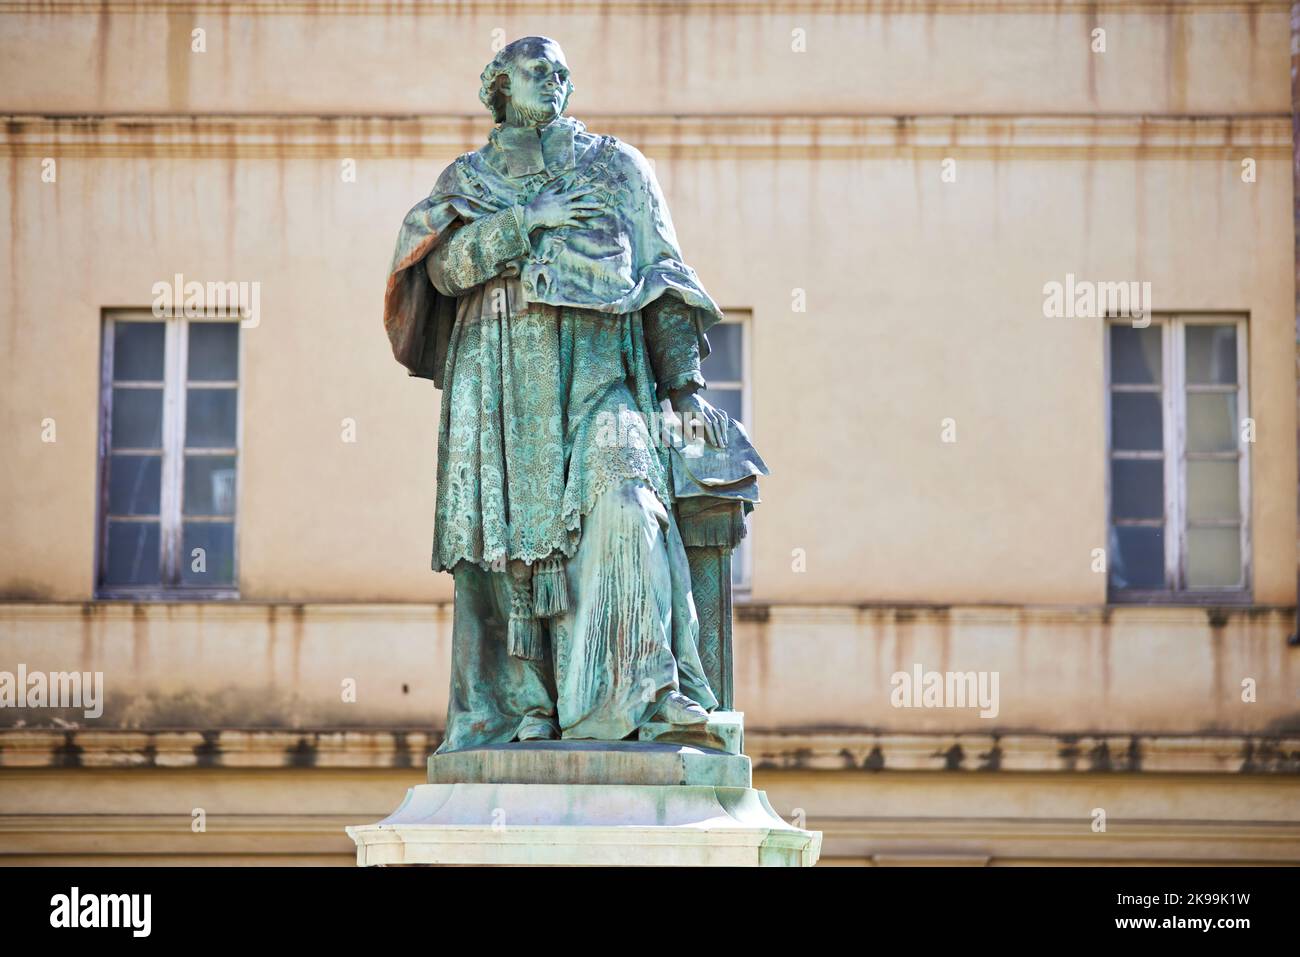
724, 731
586, 802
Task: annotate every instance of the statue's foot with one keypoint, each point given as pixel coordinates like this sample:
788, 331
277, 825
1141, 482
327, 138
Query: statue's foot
676, 708
537, 729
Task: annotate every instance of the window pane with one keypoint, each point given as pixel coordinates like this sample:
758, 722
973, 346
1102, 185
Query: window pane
132, 557
138, 351
1213, 557
728, 400
724, 361
216, 564
1136, 421
1212, 490
209, 485
1137, 557
134, 484
1137, 489
1211, 354
214, 351
1211, 421
137, 418
1135, 355
210, 418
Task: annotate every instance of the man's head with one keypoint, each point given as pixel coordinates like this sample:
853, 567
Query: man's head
527, 83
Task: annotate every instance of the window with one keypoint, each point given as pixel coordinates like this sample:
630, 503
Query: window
168, 457
1179, 459
725, 370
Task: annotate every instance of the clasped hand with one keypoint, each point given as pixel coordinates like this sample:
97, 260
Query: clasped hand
698, 417
552, 207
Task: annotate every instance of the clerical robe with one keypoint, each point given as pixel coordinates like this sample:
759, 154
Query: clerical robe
552, 363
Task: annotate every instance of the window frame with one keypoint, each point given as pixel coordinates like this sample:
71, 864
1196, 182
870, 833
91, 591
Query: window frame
172, 470
1174, 390
742, 557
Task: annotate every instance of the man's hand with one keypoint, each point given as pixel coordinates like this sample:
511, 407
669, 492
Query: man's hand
698, 417
551, 208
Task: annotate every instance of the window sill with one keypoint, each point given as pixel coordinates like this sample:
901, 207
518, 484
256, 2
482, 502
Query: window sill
167, 594
1193, 598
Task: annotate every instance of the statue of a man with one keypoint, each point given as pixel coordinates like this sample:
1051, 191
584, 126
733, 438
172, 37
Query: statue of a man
540, 286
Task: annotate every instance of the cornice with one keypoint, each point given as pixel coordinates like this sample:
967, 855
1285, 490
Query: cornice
660, 137
856, 752
647, 8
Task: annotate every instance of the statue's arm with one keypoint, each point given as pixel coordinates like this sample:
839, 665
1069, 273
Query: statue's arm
674, 347
476, 252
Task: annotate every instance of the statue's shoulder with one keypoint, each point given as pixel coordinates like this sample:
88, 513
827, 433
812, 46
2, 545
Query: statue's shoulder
452, 178
616, 156
627, 158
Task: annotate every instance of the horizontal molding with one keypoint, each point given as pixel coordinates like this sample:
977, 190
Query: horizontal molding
918, 842
881, 841
605, 8
983, 841
1041, 753
663, 138
287, 614
282, 614
770, 751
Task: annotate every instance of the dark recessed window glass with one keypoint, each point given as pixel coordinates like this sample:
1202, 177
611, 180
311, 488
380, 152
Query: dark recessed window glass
210, 418
209, 485
724, 363
134, 484
1135, 355
1211, 355
1138, 488
138, 351
1136, 421
1137, 557
132, 553
214, 351
137, 418
208, 553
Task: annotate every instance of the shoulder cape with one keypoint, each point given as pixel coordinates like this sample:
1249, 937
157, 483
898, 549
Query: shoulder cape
617, 263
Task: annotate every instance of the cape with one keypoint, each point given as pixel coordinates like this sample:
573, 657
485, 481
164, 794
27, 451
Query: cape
617, 262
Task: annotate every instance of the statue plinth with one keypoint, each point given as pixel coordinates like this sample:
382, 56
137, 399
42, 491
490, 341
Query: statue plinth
587, 803
540, 286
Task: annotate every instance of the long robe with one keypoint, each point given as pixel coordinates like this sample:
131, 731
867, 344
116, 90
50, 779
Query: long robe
551, 369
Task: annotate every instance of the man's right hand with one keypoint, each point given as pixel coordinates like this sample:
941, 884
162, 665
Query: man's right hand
551, 208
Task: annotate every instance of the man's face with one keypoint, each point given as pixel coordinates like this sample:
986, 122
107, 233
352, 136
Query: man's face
539, 84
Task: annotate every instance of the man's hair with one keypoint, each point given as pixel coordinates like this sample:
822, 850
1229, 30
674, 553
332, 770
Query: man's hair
502, 67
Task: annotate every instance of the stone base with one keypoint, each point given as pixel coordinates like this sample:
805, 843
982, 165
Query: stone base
586, 803
724, 731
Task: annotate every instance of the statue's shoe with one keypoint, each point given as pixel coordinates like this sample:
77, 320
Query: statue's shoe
676, 708
537, 729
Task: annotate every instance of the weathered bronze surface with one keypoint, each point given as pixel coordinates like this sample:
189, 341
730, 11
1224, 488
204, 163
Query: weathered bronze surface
540, 286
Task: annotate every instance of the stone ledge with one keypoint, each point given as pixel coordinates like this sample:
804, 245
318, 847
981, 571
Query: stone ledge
604, 8
1055, 753
249, 136
591, 762
585, 825
769, 751
268, 838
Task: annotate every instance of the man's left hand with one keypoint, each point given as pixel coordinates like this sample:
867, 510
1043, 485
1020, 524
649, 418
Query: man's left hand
699, 417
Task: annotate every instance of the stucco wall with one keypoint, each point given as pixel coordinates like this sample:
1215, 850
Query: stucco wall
924, 302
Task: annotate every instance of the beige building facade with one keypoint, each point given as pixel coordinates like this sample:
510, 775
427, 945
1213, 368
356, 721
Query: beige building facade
881, 197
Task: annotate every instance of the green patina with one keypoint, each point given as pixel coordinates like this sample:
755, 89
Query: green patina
541, 287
